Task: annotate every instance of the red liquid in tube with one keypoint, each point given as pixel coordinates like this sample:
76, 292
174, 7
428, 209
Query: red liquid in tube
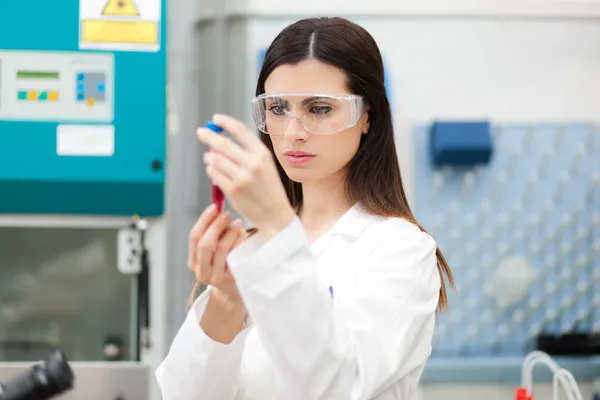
218, 198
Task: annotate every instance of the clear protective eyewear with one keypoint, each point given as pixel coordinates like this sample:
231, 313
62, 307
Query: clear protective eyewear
319, 114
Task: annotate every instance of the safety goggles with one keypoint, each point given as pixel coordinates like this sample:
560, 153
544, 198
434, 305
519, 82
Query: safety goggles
319, 114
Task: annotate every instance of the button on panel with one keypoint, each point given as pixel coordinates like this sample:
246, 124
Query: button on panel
91, 87
57, 86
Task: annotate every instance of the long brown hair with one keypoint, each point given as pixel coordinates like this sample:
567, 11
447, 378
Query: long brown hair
373, 175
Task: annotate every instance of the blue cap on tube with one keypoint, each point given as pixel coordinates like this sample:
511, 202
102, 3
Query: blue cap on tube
214, 127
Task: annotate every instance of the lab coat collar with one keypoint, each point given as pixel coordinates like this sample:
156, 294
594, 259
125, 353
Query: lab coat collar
353, 222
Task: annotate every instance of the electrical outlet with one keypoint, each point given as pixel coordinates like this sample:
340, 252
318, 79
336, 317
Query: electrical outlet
129, 251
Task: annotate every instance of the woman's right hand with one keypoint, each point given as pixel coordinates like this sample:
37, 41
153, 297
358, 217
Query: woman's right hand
211, 239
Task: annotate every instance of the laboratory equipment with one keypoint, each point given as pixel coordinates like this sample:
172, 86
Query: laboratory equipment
43, 381
96, 381
82, 107
570, 344
560, 376
82, 157
460, 143
534, 201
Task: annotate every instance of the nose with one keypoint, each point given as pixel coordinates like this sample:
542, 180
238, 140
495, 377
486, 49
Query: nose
295, 129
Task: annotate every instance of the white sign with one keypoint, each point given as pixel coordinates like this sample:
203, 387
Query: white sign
126, 25
85, 140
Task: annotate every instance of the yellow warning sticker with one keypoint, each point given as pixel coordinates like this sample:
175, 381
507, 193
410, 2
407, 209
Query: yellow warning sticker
99, 31
120, 7
127, 25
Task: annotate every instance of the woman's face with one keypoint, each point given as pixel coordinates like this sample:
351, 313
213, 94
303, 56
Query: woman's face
305, 156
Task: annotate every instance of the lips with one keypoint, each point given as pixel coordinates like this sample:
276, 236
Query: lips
298, 153
297, 157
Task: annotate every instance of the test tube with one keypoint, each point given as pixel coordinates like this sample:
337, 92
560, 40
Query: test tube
218, 197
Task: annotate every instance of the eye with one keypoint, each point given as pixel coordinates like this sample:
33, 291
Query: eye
320, 110
277, 109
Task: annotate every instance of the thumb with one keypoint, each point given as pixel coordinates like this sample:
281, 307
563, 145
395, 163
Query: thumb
243, 235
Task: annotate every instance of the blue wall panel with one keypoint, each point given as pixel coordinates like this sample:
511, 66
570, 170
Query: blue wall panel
537, 200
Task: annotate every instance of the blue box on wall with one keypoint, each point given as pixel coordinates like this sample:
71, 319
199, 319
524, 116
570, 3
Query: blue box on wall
460, 143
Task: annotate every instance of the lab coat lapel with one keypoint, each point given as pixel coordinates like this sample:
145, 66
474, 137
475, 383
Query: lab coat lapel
339, 263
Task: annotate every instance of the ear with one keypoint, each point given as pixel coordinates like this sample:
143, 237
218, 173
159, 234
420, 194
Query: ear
366, 120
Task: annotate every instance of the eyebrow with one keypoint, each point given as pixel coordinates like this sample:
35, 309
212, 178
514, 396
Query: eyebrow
311, 99
304, 102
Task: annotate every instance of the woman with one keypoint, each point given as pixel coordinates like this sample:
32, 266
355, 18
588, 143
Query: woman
335, 295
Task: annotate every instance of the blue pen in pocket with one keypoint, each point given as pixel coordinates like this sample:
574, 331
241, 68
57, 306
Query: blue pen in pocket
331, 290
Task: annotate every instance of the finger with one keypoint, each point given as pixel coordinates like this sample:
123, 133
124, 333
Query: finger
222, 145
207, 246
203, 269
207, 216
238, 130
243, 236
226, 243
220, 179
217, 228
222, 164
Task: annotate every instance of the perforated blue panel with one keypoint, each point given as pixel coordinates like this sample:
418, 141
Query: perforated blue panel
538, 200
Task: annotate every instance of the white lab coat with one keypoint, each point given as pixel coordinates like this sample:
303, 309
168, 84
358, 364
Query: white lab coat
370, 340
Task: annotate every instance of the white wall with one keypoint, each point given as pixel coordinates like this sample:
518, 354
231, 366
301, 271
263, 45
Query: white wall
394, 8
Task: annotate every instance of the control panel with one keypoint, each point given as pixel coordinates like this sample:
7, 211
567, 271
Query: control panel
56, 86
83, 107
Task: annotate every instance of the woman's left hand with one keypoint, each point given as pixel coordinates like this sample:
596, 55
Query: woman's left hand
247, 175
